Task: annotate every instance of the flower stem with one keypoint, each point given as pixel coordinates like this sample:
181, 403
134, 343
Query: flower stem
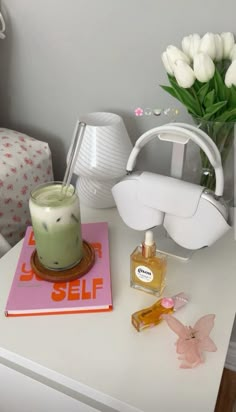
223, 136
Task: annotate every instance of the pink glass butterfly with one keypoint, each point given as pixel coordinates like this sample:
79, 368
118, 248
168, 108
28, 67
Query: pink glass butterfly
192, 341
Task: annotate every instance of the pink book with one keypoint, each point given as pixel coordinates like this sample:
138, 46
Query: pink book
30, 295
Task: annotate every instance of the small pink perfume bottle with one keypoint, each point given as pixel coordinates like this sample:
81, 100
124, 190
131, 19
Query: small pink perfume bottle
148, 267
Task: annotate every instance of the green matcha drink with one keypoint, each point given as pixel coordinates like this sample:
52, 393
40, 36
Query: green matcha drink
56, 223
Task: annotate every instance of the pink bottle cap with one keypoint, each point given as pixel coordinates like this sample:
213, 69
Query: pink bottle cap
167, 303
175, 302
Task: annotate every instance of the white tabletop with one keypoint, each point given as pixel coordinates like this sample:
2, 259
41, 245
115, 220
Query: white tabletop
104, 351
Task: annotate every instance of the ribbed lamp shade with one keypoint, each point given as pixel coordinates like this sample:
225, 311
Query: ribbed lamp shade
102, 158
105, 147
95, 193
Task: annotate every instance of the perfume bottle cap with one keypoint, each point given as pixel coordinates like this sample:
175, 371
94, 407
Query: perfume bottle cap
180, 300
167, 303
149, 238
148, 246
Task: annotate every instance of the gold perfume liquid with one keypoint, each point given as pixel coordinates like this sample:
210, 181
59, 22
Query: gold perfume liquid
152, 315
148, 267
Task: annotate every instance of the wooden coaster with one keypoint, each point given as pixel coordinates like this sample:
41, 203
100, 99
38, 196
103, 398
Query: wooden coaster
66, 275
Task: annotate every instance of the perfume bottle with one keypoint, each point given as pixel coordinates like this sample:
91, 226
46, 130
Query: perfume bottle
148, 267
151, 316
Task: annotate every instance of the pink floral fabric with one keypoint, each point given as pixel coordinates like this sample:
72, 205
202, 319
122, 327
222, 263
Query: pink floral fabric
24, 163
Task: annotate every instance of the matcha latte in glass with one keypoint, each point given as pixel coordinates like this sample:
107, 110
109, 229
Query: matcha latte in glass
55, 214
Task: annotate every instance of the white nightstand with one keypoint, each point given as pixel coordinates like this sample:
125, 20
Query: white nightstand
99, 360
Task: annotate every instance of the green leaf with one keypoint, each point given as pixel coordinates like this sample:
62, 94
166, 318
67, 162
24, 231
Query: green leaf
227, 116
169, 90
209, 99
220, 88
197, 85
202, 92
196, 99
232, 97
214, 108
185, 97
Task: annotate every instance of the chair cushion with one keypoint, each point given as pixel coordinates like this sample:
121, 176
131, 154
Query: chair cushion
24, 163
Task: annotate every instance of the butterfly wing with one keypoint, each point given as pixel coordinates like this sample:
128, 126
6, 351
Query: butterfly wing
175, 325
203, 328
180, 330
207, 345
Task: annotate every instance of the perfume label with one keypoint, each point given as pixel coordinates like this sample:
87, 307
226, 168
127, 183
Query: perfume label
144, 273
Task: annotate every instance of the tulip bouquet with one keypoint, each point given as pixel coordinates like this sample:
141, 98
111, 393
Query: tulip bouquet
202, 76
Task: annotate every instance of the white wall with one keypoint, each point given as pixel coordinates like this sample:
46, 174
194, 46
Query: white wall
63, 58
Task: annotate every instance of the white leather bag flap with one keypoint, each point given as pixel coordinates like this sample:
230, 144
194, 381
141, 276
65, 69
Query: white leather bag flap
168, 194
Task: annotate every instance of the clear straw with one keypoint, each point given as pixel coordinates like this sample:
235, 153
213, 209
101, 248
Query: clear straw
75, 147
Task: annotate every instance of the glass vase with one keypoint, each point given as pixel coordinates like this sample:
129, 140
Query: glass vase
223, 135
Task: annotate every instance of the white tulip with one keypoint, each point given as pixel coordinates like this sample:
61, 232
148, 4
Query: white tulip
203, 67
184, 74
218, 48
228, 43
166, 63
191, 44
207, 45
230, 76
186, 44
173, 54
232, 55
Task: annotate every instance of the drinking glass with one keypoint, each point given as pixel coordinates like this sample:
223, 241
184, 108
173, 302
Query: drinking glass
55, 214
